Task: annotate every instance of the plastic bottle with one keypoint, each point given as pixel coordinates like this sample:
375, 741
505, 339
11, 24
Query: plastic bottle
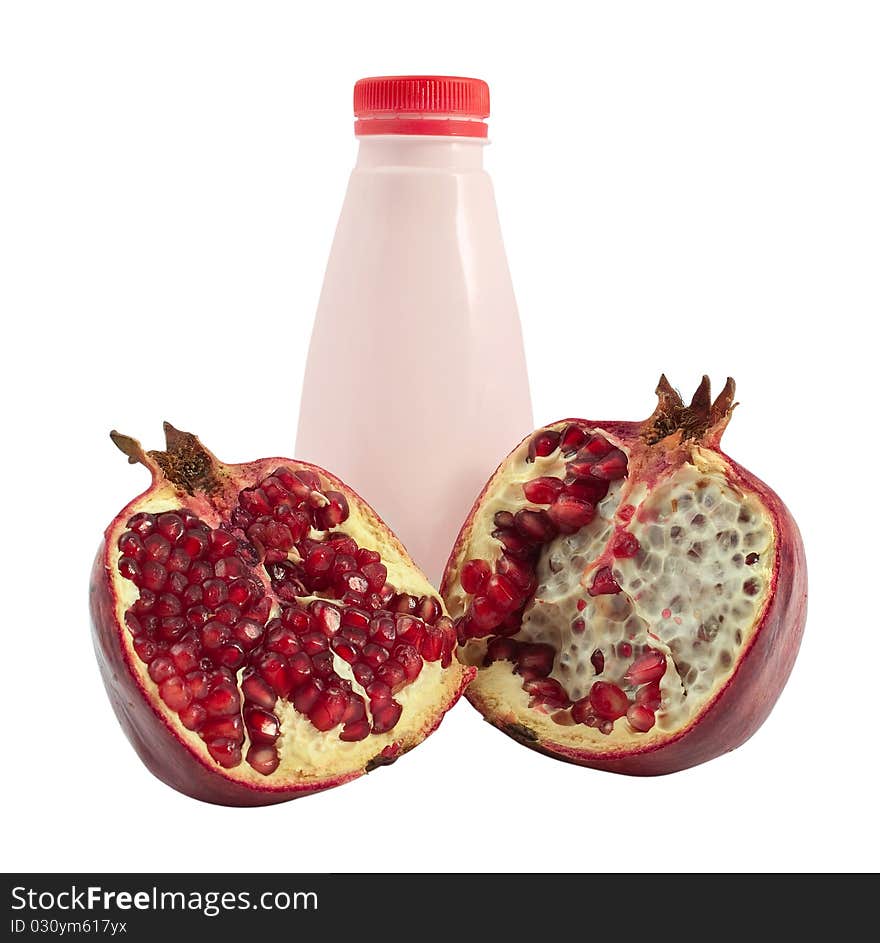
416, 385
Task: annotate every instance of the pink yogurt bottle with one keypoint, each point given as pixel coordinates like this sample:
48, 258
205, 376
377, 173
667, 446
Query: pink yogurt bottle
416, 385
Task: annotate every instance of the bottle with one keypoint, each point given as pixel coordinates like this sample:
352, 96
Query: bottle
415, 385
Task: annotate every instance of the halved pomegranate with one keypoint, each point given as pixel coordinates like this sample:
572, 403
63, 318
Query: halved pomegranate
261, 633
633, 599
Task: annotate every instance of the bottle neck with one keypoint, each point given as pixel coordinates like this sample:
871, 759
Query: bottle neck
420, 151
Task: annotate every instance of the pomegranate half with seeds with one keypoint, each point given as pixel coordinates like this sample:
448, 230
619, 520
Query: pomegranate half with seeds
632, 598
261, 633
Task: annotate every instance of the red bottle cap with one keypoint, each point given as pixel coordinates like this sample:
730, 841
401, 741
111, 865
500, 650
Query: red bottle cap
421, 104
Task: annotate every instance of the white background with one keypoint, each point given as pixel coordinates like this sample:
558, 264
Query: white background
685, 187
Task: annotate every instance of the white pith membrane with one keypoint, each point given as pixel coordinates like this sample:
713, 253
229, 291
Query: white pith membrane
306, 754
694, 591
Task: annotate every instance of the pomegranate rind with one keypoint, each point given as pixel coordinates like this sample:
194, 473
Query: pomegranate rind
734, 711
177, 756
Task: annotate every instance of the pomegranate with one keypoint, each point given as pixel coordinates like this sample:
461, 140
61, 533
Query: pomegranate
632, 598
261, 633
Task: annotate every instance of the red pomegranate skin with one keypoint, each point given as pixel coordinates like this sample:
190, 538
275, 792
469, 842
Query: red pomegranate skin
742, 705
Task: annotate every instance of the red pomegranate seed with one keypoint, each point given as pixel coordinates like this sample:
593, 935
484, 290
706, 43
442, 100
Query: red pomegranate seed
431, 644
483, 614
625, 512
232, 656
428, 609
543, 444
161, 668
502, 594
356, 730
597, 660
393, 674
214, 593
200, 571
535, 525
581, 605
547, 691
624, 545
300, 670
314, 642
345, 650
248, 633
262, 726
409, 629
607, 700
259, 610
178, 561
185, 654
264, 759
385, 715
153, 575
649, 696
198, 616
194, 543
130, 545
157, 547
474, 575
214, 635
334, 513
225, 752
320, 560
327, 617
170, 525
514, 543
221, 701
145, 602
229, 728
222, 544
174, 693
597, 446
518, 571
383, 631
329, 709
640, 718
407, 656
229, 568
258, 692
365, 557
500, 649
274, 670
168, 604
198, 684
578, 626
274, 490
542, 490
450, 640
142, 524
582, 712
591, 490
363, 673
281, 640
651, 666
176, 583
573, 437
193, 717
604, 583
375, 574
611, 467
534, 660
306, 695
570, 514
255, 501
146, 649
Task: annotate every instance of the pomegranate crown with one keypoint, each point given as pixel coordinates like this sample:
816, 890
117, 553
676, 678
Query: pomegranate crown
703, 420
185, 461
